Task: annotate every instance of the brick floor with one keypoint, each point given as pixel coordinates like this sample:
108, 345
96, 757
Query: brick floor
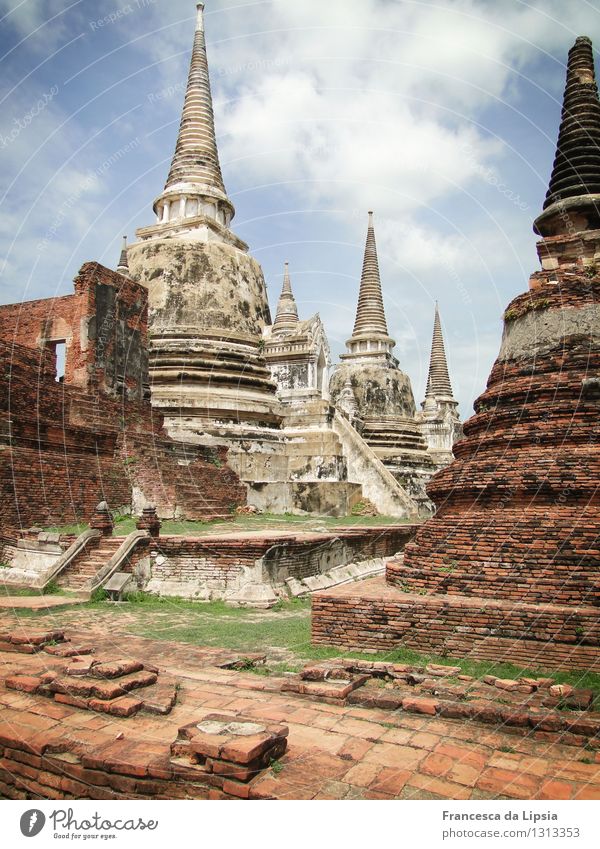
334, 751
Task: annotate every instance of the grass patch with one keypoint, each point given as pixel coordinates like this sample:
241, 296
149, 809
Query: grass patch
215, 624
125, 525
98, 596
282, 633
18, 592
52, 588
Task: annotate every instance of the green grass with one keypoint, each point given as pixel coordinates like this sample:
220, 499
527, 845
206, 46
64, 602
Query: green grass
18, 592
262, 521
51, 588
215, 624
283, 634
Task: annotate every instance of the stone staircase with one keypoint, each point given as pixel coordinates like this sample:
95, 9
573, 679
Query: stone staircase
378, 484
79, 573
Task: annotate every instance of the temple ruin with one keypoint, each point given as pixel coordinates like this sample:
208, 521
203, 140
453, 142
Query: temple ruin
164, 390
222, 373
384, 408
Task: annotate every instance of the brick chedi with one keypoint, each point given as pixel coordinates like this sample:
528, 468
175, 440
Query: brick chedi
508, 567
208, 299
384, 397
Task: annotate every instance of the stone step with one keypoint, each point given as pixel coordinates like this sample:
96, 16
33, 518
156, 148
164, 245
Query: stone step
88, 687
78, 573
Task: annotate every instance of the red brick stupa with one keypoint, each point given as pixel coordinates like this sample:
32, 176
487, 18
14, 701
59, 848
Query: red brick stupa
509, 567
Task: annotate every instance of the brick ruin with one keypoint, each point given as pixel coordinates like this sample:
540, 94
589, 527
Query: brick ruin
92, 435
506, 570
508, 566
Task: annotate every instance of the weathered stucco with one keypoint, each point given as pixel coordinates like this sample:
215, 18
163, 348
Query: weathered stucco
208, 306
540, 330
378, 389
201, 285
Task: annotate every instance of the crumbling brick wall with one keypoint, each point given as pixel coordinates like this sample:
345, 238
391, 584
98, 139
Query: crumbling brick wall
375, 615
65, 446
221, 561
104, 324
50, 470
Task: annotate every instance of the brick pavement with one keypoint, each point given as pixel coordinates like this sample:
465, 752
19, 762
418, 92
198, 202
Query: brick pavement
334, 752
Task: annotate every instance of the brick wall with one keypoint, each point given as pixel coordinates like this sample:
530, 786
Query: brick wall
507, 569
65, 446
34, 323
53, 767
218, 562
377, 616
104, 324
50, 471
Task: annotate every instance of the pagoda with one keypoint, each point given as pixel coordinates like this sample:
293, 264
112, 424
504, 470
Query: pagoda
440, 421
208, 298
384, 401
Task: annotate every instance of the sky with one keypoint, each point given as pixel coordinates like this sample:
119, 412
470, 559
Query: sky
442, 117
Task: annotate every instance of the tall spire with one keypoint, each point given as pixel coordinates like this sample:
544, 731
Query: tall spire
196, 158
195, 185
575, 180
123, 266
370, 337
370, 315
287, 311
438, 381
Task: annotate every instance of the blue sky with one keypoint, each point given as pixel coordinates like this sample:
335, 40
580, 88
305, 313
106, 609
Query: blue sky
440, 116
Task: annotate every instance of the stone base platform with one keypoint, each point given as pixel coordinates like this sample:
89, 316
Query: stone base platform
252, 569
374, 615
247, 569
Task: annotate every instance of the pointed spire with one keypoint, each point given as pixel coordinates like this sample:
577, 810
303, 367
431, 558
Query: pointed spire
123, 266
370, 315
195, 172
287, 311
438, 380
196, 158
576, 170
